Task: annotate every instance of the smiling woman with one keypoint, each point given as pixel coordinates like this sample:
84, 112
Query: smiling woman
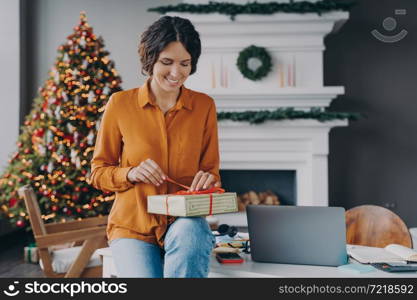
149, 134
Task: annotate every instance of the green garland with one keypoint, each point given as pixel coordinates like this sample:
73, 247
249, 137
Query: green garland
257, 117
232, 9
256, 52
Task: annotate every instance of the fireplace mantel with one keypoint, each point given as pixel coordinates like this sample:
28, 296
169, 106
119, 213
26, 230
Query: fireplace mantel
250, 99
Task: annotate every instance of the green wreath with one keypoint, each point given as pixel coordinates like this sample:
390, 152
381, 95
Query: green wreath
254, 52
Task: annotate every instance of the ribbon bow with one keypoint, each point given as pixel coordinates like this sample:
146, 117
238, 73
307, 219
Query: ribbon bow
187, 192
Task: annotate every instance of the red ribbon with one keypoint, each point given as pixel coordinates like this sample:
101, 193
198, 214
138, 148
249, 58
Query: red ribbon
185, 192
208, 191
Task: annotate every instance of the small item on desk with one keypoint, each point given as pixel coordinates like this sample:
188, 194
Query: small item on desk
396, 267
229, 258
226, 250
236, 242
356, 268
233, 244
390, 253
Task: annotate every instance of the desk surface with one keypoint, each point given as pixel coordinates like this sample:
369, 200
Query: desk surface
253, 269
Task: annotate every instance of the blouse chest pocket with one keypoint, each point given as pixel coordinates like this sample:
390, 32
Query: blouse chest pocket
189, 155
138, 149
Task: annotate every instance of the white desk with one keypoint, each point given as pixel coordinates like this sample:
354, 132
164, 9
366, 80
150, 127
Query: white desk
253, 269
250, 269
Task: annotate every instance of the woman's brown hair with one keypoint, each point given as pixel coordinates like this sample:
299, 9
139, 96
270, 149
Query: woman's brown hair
164, 31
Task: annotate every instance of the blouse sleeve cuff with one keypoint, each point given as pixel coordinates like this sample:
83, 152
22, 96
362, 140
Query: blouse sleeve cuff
122, 176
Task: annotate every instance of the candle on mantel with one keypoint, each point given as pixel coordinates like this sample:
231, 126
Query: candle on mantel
281, 75
221, 72
293, 71
225, 77
213, 76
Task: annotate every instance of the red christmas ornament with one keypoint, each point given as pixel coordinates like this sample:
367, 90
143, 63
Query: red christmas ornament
20, 223
54, 208
82, 145
26, 151
98, 92
44, 107
69, 181
75, 197
12, 202
77, 189
85, 189
83, 172
78, 210
39, 132
69, 138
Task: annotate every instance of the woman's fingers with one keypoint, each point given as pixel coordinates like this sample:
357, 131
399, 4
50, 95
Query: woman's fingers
142, 178
148, 172
217, 184
207, 183
157, 169
134, 175
202, 180
196, 180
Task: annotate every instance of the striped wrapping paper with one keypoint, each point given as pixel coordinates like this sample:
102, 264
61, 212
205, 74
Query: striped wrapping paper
192, 205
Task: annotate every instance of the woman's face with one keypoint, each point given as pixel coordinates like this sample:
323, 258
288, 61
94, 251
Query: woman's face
172, 67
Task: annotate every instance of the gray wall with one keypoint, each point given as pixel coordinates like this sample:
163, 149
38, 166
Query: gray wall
374, 161
9, 78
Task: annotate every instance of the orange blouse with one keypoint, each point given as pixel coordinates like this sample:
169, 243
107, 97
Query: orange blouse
133, 129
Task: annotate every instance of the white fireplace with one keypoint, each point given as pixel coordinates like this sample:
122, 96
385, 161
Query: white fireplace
295, 43
301, 146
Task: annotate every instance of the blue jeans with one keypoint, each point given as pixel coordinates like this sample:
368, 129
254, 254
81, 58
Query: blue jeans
187, 250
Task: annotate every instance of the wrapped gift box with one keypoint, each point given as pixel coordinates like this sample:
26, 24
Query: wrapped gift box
31, 254
193, 205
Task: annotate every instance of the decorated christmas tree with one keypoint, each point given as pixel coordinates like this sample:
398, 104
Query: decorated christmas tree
56, 143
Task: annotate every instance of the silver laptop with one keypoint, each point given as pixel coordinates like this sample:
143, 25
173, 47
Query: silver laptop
297, 234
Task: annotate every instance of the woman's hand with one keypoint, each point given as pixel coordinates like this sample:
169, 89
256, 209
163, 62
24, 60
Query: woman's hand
148, 172
204, 180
